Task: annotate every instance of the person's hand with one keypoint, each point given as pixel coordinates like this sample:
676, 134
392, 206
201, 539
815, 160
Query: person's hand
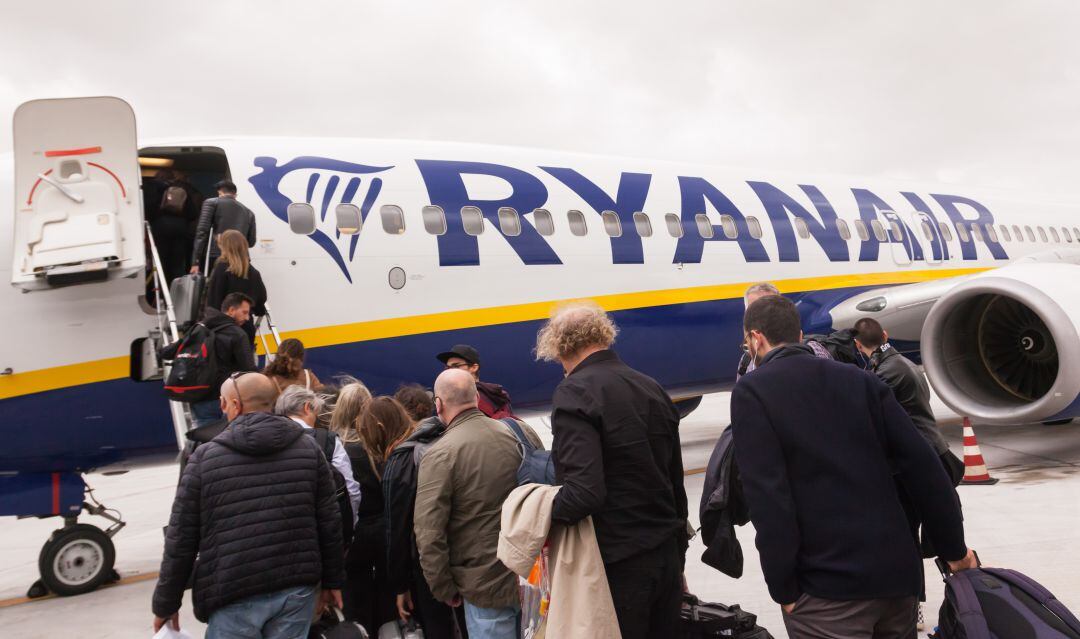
194, 269
329, 599
455, 601
404, 605
174, 621
787, 608
967, 563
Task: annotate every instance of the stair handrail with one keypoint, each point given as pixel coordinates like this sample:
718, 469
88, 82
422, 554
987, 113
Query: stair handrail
163, 286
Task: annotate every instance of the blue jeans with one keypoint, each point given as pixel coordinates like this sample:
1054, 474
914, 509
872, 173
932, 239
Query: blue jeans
285, 614
206, 411
493, 623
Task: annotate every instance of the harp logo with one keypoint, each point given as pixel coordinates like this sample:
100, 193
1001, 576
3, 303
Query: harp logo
323, 183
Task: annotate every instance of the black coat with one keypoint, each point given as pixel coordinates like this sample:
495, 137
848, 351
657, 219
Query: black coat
617, 456
232, 347
256, 507
911, 389
723, 506
821, 447
221, 214
222, 282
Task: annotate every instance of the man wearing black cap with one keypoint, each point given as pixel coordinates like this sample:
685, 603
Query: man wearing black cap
493, 400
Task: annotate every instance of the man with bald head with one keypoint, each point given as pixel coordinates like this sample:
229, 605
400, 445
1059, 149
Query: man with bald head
257, 506
463, 480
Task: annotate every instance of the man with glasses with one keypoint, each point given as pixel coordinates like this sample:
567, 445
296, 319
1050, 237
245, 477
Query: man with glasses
257, 506
493, 400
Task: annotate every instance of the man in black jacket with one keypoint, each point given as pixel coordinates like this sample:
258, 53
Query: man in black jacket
818, 444
232, 351
618, 458
257, 507
220, 214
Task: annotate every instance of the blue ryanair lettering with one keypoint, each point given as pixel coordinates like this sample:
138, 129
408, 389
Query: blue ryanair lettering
446, 188
694, 193
984, 217
630, 198
825, 231
939, 249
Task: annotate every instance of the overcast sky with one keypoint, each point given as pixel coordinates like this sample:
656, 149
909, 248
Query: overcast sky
982, 93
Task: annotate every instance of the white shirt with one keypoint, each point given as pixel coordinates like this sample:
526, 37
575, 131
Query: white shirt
344, 466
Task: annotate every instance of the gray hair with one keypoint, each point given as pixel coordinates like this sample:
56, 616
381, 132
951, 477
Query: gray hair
292, 400
761, 289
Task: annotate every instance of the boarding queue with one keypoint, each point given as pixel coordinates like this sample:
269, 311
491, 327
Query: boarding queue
439, 511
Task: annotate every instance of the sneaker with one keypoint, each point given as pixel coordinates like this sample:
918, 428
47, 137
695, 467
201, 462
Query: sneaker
920, 625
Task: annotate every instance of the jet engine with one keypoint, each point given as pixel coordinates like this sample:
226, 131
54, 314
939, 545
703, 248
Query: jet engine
1004, 346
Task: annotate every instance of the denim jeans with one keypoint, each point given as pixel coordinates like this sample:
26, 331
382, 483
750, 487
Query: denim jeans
285, 614
206, 412
492, 623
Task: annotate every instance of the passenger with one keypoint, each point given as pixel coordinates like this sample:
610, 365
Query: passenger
753, 294
303, 407
225, 510
618, 458
464, 479
232, 351
171, 208
288, 369
404, 574
234, 273
352, 399
911, 389
817, 443
416, 400
493, 400
220, 214
368, 599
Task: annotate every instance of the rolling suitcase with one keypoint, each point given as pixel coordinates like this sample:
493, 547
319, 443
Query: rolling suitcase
398, 629
704, 620
332, 625
187, 292
996, 603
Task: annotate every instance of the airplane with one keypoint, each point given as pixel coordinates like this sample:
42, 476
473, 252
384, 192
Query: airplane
378, 254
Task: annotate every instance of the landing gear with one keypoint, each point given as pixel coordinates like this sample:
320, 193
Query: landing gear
78, 557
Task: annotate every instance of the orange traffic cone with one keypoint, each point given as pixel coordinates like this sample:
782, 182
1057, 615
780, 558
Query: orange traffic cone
975, 472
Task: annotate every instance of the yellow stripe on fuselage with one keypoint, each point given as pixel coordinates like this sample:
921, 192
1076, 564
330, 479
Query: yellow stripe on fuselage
45, 379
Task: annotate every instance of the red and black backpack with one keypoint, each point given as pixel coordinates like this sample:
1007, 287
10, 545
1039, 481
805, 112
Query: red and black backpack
194, 366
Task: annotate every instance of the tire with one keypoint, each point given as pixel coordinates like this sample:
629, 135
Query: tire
76, 559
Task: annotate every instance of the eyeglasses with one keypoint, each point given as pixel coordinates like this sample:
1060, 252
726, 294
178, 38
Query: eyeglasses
457, 365
236, 388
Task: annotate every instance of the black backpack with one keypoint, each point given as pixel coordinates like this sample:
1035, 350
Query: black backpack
700, 620
194, 366
536, 467
173, 200
841, 345
327, 442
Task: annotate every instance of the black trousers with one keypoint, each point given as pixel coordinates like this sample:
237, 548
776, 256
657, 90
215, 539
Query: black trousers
438, 620
173, 244
366, 596
647, 592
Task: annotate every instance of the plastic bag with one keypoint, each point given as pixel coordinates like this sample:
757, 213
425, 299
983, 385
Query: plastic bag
168, 632
535, 597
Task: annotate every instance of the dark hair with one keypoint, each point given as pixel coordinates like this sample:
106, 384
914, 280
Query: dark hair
227, 186
289, 360
776, 318
416, 400
232, 300
869, 333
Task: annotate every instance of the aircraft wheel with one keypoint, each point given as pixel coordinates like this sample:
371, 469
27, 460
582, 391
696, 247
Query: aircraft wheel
76, 559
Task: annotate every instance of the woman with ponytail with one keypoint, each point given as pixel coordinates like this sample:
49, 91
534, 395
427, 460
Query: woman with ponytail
288, 369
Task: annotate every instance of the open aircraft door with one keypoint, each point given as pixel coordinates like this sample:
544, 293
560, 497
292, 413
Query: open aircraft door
78, 209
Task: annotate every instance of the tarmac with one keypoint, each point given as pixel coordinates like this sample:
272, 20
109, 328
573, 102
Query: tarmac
1029, 521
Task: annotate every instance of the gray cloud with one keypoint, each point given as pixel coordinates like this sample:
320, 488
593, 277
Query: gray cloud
972, 92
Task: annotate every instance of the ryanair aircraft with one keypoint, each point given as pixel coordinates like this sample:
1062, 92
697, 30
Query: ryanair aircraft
378, 254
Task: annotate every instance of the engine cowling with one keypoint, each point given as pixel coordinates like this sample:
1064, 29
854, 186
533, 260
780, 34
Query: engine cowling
1004, 346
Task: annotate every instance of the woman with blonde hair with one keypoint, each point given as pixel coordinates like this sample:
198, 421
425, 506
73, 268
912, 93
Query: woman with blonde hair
287, 369
352, 399
381, 426
233, 273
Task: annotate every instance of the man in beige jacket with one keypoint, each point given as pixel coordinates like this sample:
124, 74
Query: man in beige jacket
463, 480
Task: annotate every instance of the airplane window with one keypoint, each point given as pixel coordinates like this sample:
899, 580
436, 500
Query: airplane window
963, 233
1076, 232
894, 231
577, 223
1054, 234
842, 228
544, 223
1066, 233
727, 223
976, 234
642, 224
1017, 233
802, 228
348, 220
434, 220
612, 224
946, 232
472, 218
860, 228
755, 227
301, 217
509, 222
990, 233
1029, 233
927, 231
879, 230
674, 225
704, 226
1005, 233
1042, 233
393, 219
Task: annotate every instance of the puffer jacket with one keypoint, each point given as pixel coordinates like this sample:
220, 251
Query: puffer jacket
221, 214
255, 513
